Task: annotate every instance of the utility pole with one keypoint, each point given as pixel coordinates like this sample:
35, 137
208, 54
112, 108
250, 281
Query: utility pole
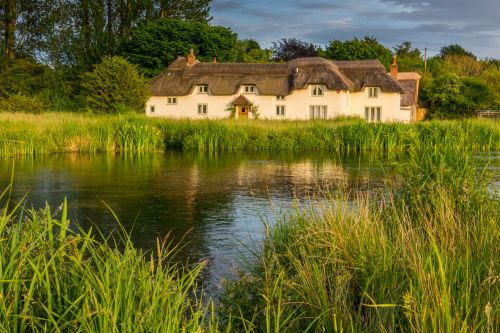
425, 60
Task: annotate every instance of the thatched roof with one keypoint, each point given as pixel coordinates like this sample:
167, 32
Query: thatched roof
409, 82
179, 79
242, 101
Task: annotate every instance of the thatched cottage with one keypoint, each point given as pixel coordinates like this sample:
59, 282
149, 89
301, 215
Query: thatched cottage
305, 88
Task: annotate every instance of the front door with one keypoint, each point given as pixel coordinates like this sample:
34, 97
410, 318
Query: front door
243, 112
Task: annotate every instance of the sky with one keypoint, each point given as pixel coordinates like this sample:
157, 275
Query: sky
474, 24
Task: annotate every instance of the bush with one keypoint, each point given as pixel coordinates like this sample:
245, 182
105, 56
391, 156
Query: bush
115, 85
21, 103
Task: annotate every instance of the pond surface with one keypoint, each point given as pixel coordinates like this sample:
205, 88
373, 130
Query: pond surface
214, 206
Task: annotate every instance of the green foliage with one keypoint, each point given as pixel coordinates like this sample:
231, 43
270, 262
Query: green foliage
462, 65
113, 85
453, 97
358, 49
455, 50
53, 133
21, 103
249, 51
409, 58
56, 277
154, 45
395, 261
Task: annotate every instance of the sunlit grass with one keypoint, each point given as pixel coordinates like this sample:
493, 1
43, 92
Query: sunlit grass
23, 134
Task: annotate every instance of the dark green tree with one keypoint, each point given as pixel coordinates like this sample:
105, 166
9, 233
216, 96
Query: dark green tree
409, 58
455, 50
367, 48
115, 85
154, 45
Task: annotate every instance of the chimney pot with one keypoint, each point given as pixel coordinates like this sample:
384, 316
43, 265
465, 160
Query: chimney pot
214, 60
394, 68
191, 57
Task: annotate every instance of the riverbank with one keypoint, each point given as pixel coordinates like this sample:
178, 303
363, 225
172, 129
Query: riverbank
25, 134
420, 256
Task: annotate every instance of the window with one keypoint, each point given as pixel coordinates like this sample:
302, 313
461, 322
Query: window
317, 90
373, 92
152, 109
202, 109
318, 112
250, 89
280, 110
373, 114
203, 89
171, 100
280, 98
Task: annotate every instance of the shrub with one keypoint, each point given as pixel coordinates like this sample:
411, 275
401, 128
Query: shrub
21, 103
115, 85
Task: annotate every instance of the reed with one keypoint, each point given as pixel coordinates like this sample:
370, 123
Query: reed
421, 257
55, 278
24, 134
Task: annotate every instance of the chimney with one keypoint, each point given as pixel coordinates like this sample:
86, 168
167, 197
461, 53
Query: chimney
214, 60
191, 57
394, 68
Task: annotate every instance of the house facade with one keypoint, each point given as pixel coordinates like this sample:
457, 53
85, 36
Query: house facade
301, 89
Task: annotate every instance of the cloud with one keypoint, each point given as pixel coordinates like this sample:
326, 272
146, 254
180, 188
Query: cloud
432, 23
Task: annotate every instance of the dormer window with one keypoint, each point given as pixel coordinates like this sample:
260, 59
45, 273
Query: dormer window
171, 100
372, 92
317, 90
250, 89
203, 89
280, 98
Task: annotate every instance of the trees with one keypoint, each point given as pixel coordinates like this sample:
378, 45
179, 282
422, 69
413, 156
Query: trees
249, 51
455, 50
292, 48
154, 45
452, 97
359, 49
115, 85
409, 58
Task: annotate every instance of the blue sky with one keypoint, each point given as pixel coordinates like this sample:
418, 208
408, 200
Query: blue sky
474, 24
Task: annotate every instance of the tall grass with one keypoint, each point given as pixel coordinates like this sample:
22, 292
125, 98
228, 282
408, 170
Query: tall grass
53, 279
421, 257
22, 134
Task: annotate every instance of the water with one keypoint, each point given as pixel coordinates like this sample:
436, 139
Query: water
214, 206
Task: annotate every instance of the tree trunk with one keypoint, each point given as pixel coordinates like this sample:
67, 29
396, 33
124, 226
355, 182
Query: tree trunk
10, 28
110, 27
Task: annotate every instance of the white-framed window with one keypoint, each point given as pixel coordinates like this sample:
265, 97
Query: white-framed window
202, 109
250, 89
171, 100
203, 89
151, 109
373, 114
280, 110
280, 98
317, 90
372, 92
318, 112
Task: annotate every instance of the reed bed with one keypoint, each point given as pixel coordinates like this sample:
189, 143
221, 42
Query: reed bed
55, 278
24, 134
422, 257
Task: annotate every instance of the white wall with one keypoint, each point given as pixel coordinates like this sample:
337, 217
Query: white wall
297, 105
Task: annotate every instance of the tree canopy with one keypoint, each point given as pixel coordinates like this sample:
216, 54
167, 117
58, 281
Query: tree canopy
115, 85
293, 48
359, 49
455, 50
154, 45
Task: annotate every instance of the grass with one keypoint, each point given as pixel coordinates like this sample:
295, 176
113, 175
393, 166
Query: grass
54, 278
421, 257
24, 134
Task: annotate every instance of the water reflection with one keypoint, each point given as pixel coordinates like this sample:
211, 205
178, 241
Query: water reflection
216, 202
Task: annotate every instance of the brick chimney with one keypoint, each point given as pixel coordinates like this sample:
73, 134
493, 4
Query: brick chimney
214, 60
394, 68
191, 57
